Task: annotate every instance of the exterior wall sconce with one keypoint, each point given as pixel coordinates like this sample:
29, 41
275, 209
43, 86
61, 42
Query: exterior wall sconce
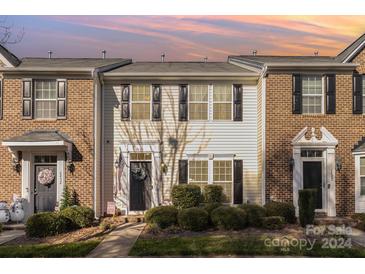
16, 165
163, 167
291, 163
70, 166
338, 163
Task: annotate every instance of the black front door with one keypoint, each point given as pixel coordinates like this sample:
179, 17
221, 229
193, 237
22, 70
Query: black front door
140, 185
312, 178
45, 194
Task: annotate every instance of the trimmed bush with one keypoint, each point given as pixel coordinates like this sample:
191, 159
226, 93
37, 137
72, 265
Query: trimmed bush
307, 206
255, 213
79, 216
213, 194
194, 219
286, 210
47, 224
273, 222
185, 196
162, 216
229, 218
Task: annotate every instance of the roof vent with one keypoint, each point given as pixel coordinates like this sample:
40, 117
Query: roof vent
316, 53
205, 59
103, 52
163, 57
50, 54
254, 52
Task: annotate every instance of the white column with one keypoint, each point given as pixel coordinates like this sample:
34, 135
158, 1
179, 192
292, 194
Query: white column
156, 171
61, 167
331, 182
297, 178
27, 184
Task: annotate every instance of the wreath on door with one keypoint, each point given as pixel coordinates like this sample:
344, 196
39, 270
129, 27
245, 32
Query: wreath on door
139, 173
46, 177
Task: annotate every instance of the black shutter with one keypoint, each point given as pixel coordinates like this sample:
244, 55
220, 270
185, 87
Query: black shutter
156, 103
61, 99
183, 103
1, 99
238, 182
357, 94
27, 98
183, 171
125, 113
297, 94
331, 94
237, 102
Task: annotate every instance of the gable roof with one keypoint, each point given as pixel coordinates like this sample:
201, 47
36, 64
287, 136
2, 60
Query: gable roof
349, 53
9, 57
40, 136
360, 146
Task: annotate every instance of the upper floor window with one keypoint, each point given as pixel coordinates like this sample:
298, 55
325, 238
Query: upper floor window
45, 99
222, 102
198, 102
312, 93
141, 102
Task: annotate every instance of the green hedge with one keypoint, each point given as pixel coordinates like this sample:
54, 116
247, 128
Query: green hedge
286, 210
47, 224
79, 216
194, 219
307, 206
185, 196
255, 213
213, 194
229, 218
162, 216
273, 222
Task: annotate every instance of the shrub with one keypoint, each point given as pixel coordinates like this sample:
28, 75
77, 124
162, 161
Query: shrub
255, 213
46, 224
79, 216
213, 194
229, 218
273, 222
307, 205
162, 216
360, 218
185, 196
194, 219
1, 227
286, 210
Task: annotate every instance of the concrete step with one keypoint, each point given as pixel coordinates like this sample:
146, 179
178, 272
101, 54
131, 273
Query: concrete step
334, 221
134, 218
14, 226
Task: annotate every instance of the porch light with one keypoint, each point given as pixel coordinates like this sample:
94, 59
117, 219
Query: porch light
291, 163
16, 165
338, 163
70, 166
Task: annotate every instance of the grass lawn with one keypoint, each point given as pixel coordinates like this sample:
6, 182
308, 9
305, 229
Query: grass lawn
78, 249
205, 246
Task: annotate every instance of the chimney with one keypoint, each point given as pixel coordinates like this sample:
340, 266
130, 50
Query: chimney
205, 59
162, 57
50, 54
103, 52
254, 52
316, 53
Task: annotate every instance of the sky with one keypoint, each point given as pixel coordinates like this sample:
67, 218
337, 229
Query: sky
189, 38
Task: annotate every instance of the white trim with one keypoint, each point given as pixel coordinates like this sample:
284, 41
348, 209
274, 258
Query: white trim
263, 136
353, 53
5, 61
35, 144
359, 199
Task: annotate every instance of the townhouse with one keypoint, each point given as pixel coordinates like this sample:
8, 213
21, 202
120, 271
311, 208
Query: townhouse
125, 132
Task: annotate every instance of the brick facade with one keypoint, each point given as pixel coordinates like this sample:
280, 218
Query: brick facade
282, 126
78, 126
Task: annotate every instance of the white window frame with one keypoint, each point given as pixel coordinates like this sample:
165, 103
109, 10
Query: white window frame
220, 120
359, 199
198, 102
35, 100
143, 102
314, 95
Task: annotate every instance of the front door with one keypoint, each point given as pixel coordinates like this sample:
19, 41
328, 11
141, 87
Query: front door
312, 178
45, 188
140, 186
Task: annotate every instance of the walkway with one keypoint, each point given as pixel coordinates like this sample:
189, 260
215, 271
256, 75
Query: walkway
8, 235
358, 237
119, 242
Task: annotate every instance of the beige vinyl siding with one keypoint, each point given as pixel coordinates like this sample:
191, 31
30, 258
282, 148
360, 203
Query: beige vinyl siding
194, 137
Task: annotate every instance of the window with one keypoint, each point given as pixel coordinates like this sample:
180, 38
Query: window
140, 156
45, 99
198, 173
312, 94
312, 153
362, 176
141, 101
198, 102
44, 159
222, 175
222, 102
363, 94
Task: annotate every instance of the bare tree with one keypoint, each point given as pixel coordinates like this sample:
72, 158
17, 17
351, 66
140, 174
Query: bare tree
8, 34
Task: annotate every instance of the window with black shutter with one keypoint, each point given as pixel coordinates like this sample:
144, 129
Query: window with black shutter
1, 99
125, 104
297, 94
357, 93
183, 103
183, 171
237, 102
27, 99
61, 99
331, 94
237, 181
156, 103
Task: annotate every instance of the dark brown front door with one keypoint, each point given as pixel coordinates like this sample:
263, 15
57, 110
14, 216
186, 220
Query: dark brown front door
140, 186
45, 196
312, 178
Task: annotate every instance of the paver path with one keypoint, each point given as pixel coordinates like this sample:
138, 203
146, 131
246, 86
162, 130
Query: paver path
119, 242
8, 235
358, 237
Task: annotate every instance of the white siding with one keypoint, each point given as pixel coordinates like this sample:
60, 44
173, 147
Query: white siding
208, 137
